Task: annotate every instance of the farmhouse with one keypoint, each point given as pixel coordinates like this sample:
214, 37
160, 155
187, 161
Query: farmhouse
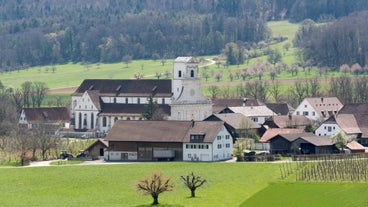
169, 140
318, 109
51, 118
97, 104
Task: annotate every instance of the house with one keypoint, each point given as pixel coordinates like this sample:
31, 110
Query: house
288, 121
98, 103
258, 114
318, 109
169, 140
221, 104
237, 124
344, 122
52, 118
302, 143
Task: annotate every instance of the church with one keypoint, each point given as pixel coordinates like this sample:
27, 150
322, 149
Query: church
98, 103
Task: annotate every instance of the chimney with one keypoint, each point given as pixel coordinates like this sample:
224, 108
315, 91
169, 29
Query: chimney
244, 101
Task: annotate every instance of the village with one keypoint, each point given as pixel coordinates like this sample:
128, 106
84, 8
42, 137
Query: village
171, 120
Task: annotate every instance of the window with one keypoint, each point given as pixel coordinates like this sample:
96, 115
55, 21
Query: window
305, 113
189, 155
139, 100
104, 121
329, 129
227, 136
179, 75
192, 73
255, 119
218, 137
305, 106
313, 113
187, 146
207, 146
227, 145
126, 100
219, 146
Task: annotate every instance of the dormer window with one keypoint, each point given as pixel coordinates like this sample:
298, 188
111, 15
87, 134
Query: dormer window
197, 137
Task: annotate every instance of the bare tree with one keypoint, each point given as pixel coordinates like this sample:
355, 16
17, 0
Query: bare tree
214, 91
154, 185
193, 181
38, 93
275, 90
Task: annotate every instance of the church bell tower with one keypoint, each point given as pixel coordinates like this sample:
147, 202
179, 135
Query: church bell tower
188, 103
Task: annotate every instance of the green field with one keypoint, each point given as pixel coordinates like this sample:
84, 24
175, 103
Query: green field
229, 184
283, 194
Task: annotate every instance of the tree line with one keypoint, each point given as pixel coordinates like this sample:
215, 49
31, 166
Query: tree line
348, 89
341, 42
43, 32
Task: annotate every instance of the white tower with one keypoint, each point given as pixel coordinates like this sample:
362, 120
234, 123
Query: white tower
188, 103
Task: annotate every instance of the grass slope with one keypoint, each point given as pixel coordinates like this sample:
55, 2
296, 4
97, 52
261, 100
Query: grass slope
310, 194
229, 184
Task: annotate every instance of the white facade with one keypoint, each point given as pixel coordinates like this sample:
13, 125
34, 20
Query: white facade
188, 103
84, 112
318, 109
220, 149
307, 110
327, 129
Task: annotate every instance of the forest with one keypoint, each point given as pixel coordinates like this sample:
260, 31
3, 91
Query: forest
44, 32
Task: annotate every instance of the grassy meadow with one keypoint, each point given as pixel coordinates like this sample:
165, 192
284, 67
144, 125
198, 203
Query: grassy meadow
229, 184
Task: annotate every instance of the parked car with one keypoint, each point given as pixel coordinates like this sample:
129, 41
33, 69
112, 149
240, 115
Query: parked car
82, 154
65, 155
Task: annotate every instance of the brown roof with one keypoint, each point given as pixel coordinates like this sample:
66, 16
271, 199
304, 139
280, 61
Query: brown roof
362, 121
48, 115
358, 108
102, 141
279, 108
290, 121
318, 140
220, 104
162, 131
270, 133
328, 104
347, 123
236, 120
354, 145
108, 87
129, 109
293, 137
210, 129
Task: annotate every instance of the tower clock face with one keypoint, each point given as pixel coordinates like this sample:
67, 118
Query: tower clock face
192, 92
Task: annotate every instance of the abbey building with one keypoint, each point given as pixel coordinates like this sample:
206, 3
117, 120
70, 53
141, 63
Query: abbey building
98, 103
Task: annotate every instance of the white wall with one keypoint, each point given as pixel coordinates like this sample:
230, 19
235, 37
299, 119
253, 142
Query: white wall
306, 110
327, 130
220, 149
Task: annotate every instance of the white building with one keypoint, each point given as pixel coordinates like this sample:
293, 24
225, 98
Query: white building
98, 103
318, 109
